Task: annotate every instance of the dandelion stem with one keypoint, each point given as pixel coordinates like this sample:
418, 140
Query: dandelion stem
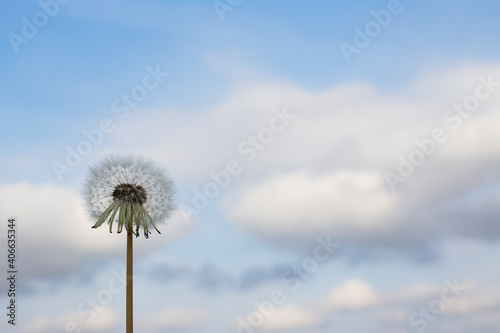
130, 272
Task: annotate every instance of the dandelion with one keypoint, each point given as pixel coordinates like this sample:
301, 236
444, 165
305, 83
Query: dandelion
132, 193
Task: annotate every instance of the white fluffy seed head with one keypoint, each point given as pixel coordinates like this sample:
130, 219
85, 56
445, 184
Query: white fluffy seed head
115, 172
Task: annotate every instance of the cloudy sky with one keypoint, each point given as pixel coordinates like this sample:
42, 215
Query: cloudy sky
336, 163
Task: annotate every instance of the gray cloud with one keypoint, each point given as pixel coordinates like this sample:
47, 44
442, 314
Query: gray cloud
209, 277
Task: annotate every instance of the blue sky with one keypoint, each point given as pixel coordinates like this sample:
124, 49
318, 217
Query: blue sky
350, 123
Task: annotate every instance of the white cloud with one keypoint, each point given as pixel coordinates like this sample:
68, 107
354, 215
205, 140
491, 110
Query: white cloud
300, 202
475, 300
54, 233
458, 305
173, 319
470, 310
332, 158
291, 316
105, 320
354, 294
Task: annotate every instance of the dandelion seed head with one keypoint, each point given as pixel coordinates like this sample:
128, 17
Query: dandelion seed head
129, 189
